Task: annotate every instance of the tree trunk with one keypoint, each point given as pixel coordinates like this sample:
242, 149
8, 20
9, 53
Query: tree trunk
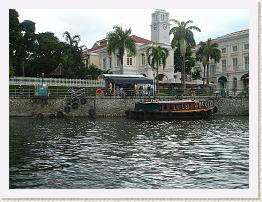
157, 81
121, 65
204, 75
23, 67
207, 76
183, 81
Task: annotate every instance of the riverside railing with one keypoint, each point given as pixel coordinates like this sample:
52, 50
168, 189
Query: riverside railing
59, 92
57, 82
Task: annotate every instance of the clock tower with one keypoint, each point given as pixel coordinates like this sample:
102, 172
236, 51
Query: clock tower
160, 26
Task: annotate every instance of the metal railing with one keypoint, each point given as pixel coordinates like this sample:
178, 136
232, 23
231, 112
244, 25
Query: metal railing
54, 92
57, 82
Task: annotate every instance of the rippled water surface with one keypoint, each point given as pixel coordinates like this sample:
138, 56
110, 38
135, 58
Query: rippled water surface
120, 153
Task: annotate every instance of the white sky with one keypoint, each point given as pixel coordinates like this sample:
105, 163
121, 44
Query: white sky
93, 24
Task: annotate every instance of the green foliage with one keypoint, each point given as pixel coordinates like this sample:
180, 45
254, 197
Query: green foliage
11, 72
118, 42
91, 72
156, 56
178, 61
196, 73
206, 52
22, 43
72, 58
14, 31
48, 55
43, 52
183, 39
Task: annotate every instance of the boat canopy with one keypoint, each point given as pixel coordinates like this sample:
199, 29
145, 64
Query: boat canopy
121, 79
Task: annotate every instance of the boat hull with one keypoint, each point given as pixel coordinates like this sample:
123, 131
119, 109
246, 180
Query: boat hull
145, 115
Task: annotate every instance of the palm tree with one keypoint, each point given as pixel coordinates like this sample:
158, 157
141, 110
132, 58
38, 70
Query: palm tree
202, 58
208, 51
73, 40
183, 38
72, 59
156, 56
118, 42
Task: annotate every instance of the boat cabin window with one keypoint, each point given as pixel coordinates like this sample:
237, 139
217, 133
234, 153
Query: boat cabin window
185, 106
164, 107
178, 106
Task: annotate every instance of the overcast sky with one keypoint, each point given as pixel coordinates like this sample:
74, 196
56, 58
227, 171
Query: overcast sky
94, 24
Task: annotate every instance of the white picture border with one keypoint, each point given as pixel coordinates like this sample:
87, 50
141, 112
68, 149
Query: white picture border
251, 192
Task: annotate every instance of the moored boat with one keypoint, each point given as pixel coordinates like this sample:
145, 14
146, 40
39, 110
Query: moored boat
175, 109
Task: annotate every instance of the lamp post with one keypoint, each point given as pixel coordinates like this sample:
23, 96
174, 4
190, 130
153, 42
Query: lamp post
43, 74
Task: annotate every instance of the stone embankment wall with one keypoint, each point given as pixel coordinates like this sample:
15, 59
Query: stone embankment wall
108, 106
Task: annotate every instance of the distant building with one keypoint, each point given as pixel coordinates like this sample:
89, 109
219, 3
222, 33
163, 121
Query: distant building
232, 72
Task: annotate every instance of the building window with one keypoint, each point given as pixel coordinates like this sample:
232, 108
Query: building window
223, 50
234, 48
246, 46
129, 61
246, 62
212, 69
110, 62
224, 65
143, 59
234, 64
104, 63
161, 61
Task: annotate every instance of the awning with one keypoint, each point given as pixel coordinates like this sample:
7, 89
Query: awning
222, 79
129, 80
245, 76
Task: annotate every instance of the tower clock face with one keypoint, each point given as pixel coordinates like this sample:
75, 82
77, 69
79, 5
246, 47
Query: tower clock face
164, 26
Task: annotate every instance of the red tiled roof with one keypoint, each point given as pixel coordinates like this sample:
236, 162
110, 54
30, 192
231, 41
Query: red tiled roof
135, 38
97, 48
138, 39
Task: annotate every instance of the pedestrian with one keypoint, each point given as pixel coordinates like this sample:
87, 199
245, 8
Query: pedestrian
141, 90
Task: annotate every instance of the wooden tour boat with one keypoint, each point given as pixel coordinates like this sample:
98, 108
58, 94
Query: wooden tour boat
178, 109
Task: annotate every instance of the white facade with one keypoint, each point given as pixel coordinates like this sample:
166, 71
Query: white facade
234, 62
134, 65
160, 27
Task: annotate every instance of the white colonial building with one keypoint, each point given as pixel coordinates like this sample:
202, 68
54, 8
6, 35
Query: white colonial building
230, 73
138, 65
232, 70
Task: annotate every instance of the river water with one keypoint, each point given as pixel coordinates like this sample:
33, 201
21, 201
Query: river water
115, 153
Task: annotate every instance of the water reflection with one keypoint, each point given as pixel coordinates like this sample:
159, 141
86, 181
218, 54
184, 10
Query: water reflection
120, 153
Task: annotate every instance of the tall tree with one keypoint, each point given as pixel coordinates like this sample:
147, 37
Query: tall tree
157, 56
73, 40
48, 54
178, 61
183, 38
14, 39
72, 60
208, 51
200, 56
118, 42
28, 44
